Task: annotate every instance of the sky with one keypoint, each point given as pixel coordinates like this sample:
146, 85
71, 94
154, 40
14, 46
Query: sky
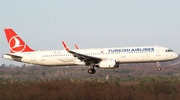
44, 24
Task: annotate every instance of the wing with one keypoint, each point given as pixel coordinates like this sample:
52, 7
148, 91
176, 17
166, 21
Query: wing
82, 57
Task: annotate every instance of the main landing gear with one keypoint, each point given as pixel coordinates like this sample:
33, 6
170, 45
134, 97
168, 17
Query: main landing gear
91, 70
158, 66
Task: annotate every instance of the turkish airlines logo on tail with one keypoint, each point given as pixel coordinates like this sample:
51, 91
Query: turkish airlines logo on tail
16, 44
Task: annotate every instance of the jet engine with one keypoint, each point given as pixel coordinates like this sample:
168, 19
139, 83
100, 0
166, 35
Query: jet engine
108, 63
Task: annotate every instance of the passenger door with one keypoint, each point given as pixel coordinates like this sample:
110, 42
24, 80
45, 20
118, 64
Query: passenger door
33, 58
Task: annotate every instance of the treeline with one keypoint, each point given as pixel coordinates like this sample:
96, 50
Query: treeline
89, 90
39, 73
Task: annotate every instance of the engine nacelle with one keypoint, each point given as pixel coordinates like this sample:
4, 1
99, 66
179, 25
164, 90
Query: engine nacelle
108, 63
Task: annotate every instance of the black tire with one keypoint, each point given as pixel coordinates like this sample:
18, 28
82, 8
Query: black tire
91, 71
159, 68
94, 71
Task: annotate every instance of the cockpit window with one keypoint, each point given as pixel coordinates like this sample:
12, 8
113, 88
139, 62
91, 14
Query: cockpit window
169, 50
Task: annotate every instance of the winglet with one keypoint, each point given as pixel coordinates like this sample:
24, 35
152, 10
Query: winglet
65, 46
76, 46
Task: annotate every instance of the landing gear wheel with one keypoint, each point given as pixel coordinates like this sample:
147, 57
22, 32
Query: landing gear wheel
91, 71
159, 68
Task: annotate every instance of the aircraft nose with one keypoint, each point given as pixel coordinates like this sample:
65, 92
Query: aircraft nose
175, 55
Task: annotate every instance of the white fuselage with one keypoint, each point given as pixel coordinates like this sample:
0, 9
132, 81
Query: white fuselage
121, 55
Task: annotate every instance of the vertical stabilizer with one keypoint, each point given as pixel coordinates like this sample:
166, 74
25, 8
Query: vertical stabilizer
16, 44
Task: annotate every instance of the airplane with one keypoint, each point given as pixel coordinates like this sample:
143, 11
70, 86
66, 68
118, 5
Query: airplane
107, 58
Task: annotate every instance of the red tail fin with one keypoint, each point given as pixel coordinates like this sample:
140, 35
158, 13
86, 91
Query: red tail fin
16, 44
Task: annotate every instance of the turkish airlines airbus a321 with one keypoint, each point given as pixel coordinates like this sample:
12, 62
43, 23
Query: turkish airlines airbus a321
107, 58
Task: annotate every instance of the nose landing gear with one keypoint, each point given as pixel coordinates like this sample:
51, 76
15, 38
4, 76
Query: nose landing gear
158, 66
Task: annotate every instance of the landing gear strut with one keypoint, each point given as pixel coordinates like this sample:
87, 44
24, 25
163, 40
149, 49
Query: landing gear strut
158, 66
